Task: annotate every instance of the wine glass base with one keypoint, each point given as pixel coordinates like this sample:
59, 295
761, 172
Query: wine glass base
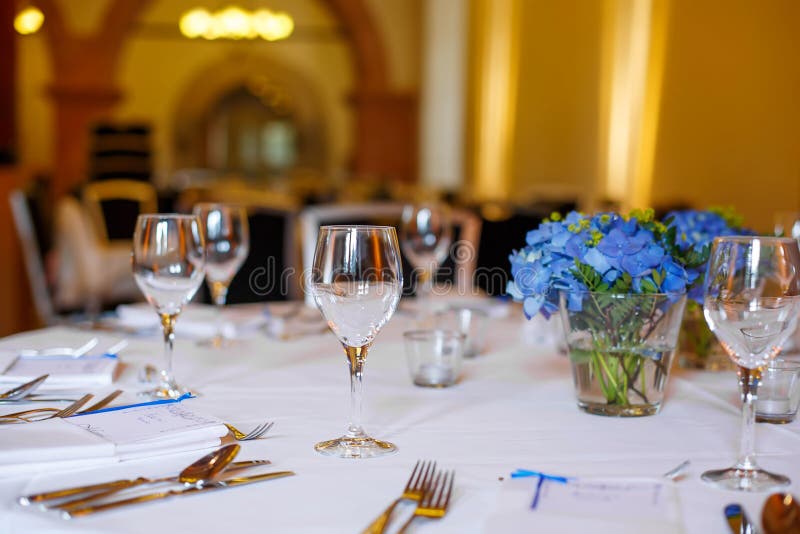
361, 447
165, 391
745, 479
217, 342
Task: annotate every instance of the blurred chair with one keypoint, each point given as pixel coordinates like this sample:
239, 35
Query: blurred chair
120, 151
270, 271
504, 227
92, 271
114, 205
33, 257
462, 259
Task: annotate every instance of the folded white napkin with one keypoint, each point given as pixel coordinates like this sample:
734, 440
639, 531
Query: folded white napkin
65, 372
104, 437
197, 321
94, 369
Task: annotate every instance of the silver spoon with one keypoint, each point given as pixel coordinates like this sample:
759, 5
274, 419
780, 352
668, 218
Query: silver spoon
781, 514
23, 390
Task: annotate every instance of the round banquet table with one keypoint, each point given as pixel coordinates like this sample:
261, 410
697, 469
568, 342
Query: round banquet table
513, 408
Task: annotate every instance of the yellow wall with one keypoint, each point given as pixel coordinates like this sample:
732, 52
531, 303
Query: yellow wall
555, 137
729, 129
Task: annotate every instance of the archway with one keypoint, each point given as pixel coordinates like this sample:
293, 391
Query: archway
84, 89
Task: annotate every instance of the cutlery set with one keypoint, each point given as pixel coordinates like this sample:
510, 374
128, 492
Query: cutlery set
780, 515
202, 475
21, 394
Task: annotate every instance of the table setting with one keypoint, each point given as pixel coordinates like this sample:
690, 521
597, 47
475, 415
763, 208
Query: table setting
464, 415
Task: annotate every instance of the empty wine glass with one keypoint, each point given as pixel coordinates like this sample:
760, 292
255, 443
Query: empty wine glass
356, 281
752, 297
425, 236
227, 242
168, 259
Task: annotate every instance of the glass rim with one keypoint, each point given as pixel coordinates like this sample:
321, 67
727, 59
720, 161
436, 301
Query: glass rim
750, 238
358, 227
166, 216
458, 308
235, 205
423, 334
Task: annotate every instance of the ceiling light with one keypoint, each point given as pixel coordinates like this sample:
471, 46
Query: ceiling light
29, 20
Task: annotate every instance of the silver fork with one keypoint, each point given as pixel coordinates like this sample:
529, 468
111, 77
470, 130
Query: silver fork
415, 488
435, 501
256, 433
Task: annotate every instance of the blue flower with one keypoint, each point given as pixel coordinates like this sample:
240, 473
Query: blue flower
605, 252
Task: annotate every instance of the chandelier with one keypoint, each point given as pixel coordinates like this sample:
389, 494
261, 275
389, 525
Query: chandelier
236, 23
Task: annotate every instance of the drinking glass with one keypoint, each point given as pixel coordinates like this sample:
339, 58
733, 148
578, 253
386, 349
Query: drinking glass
227, 242
751, 304
426, 235
356, 281
168, 259
787, 224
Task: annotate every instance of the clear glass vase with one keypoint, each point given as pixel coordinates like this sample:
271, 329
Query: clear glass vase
621, 348
698, 347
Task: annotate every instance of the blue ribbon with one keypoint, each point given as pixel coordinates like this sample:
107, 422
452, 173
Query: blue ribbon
522, 473
151, 403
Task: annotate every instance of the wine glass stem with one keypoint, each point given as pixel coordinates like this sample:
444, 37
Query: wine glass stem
356, 356
748, 384
219, 294
168, 326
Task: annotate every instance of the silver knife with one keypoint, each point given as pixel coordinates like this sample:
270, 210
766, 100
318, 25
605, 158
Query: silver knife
738, 520
222, 484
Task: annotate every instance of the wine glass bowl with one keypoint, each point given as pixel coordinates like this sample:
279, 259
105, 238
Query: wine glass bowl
356, 281
168, 260
751, 303
425, 236
227, 243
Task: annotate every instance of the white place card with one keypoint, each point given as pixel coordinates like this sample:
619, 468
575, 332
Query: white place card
614, 504
144, 422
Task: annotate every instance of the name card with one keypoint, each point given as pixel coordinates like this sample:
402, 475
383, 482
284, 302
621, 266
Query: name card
144, 422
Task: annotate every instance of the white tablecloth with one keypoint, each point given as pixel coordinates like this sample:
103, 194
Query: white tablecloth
515, 408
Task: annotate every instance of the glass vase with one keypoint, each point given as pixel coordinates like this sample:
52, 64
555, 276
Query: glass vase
698, 347
621, 348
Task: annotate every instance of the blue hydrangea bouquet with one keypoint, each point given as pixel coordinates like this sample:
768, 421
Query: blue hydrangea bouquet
699, 347
620, 283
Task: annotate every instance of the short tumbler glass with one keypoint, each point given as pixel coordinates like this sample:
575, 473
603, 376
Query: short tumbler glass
779, 392
434, 356
471, 322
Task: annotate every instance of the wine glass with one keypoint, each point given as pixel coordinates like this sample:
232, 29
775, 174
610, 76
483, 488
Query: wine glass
168, 259
227, 242
752, 298
426, 234
356, 281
